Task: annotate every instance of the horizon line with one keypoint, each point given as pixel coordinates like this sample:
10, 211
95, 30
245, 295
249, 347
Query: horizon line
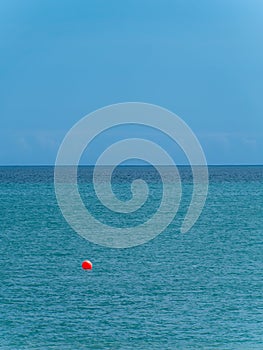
125, 165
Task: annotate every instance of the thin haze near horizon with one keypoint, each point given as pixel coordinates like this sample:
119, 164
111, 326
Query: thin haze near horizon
61, 60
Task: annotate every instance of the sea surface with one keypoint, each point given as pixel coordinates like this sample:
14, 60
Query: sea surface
198, 290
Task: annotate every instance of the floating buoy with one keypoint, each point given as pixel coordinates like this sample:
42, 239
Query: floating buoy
87, 265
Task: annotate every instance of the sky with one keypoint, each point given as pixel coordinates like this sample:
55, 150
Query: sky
61, 60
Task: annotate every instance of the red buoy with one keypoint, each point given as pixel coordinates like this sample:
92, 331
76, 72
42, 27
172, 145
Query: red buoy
87, 265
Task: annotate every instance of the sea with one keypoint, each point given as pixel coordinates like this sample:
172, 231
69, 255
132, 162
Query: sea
197, 290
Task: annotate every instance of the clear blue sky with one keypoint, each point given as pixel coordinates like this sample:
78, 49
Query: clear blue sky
63, 59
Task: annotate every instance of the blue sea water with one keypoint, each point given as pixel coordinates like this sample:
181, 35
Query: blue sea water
199, 290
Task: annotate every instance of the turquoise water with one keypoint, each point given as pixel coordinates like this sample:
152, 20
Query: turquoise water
199, 290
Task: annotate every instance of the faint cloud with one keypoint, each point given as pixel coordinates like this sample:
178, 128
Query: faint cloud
250, 142
23, 143
47, 139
